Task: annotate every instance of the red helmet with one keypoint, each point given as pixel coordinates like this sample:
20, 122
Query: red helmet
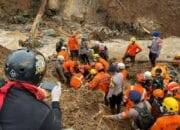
140, 77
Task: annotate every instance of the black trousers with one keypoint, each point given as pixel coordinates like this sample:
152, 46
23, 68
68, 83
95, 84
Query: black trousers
84, 58
128, 56
152, 58
115, 102
74, 53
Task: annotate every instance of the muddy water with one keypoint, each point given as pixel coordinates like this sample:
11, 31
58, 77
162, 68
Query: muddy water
117, 47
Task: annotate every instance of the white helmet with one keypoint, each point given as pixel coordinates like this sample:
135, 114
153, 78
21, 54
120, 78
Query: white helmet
60, 58
148, 75
63, 48
121, 66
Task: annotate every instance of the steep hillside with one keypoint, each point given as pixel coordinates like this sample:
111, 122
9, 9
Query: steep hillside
125, 15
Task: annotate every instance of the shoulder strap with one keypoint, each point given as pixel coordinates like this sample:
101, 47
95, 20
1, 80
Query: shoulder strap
139, 110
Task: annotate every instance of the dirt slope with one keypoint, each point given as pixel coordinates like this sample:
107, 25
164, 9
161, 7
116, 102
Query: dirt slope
124, 15
152, 14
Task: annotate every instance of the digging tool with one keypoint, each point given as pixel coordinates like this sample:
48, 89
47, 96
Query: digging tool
146, 30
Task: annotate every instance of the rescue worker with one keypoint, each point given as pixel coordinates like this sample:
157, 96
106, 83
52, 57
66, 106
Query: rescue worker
69, 67
21, 105
84, 69
98, 59
158, 79
77, 79
73, 45
156, 103
136, 87
83, 52
59, 44
122, 70
64, 53
170, 120
103, 51
148, 83
173, 89
134, 113
101, 80
60, 69
96, 47
155, 48
115, 93
132, 50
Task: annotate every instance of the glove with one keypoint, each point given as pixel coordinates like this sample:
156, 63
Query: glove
56, 93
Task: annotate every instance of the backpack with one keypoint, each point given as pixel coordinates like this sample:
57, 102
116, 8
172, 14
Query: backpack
144, 119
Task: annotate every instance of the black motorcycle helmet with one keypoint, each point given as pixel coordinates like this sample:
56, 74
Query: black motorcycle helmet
25, 65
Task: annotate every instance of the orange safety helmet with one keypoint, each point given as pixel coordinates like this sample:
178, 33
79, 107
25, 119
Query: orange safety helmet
140, 77
99, 66
158, 93
173, 86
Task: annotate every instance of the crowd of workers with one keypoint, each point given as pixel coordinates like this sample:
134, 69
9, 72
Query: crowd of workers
152, 99
152, 102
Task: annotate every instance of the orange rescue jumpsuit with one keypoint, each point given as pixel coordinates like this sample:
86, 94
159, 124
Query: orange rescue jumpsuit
65, 54
76, 81
104, 63
101, 81
169, 122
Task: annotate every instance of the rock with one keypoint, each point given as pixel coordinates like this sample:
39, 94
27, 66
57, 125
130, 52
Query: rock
49, 32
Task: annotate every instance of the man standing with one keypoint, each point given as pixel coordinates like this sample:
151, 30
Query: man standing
115, 94
155, 48
132, 49
73, 45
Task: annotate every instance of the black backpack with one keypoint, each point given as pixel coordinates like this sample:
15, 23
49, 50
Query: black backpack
145, 119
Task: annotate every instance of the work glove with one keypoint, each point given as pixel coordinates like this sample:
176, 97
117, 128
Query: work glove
56, 92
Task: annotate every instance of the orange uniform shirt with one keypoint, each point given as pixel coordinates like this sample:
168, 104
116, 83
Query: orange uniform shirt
101, 81
138, 88
104, 63
65, 54
73, 43
76, 81
167, 123
132, 49
69, 66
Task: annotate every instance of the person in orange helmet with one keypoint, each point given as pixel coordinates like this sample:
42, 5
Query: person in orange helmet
101, 81
157, 108
98, 59
136, 87
171, 119
64, 53
73, 45
132, 50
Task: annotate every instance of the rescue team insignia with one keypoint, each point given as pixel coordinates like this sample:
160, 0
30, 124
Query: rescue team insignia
40, 64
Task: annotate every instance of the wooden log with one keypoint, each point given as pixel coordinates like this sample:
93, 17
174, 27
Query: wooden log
37, 21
